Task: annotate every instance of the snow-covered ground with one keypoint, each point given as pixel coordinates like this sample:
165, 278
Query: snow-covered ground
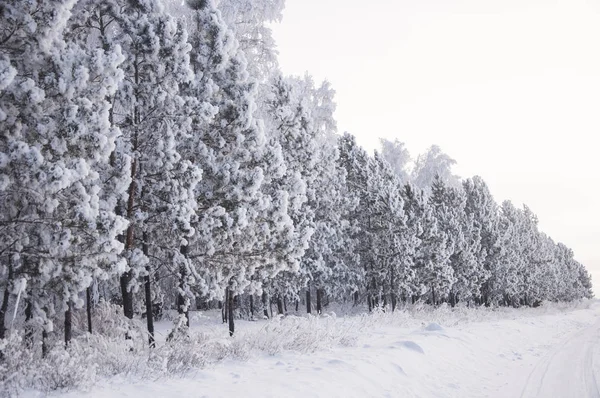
545, 352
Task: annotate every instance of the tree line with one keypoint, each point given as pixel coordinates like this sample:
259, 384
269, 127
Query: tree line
153, 155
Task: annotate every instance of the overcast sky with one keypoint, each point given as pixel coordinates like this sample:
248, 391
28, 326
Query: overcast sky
508, 88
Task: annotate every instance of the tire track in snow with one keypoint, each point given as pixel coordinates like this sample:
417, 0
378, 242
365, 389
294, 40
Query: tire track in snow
567, 371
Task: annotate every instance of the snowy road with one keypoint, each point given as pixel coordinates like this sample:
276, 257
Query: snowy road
542, 353
570, 370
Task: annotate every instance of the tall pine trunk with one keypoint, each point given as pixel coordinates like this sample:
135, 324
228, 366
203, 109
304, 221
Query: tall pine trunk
308, 303
88, 298
68, 324
125, 280
5, 299
251, 306
319, 301
182, 305
44, 342
148, 294
230, 312
28, 327
393, 288
225, 308
265, 300
279, 305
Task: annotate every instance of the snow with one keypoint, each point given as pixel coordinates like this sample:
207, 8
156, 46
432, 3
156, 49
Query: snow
543, 352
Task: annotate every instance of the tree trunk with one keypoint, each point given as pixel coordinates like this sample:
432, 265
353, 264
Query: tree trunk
88, 297
393, 288
129, 242
279, 305
285, 305
28, 327
5, 298
230, 312
127, 295
265, 300
44, 342
182, 301
356, 297
308, 303
432, 294
148, 295
319, 301
252, 306
225, 306
297, 305
68, 325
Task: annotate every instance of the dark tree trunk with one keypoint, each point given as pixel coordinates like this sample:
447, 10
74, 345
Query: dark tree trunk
297, 305
252, 306
432, 294
308, 303
129, 242
44, 342
279, 305
148, 295
182, 305
230, 312
5, 298
28, 327
356, 298
319, 301
225, 306
285, 305
149, 312
68, 324
88, 298
265, 301
127, 295
393, 288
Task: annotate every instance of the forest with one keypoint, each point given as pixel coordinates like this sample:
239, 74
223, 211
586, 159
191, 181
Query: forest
153, 157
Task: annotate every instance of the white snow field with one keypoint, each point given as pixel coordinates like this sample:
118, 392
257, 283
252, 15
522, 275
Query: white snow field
552, 351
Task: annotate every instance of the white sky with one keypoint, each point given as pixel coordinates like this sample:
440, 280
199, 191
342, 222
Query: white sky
509, 88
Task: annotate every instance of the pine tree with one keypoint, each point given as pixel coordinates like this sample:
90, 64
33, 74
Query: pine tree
235, 218
63, 228
356, 162
480, 205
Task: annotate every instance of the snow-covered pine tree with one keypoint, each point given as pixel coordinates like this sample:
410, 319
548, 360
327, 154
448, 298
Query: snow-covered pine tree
62, 225
290, 126
355, 161
391, 240
327, 265
250, 21
160, 200
236, 219
510, 263
463, 240
434, 275
480, 205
